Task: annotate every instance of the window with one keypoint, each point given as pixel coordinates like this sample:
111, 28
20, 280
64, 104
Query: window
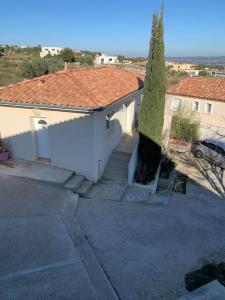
211, 146
43, 122
220, 151
110, 59
176, 104
208, 108
195, 106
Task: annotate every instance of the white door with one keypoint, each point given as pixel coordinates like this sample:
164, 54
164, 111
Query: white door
41, 131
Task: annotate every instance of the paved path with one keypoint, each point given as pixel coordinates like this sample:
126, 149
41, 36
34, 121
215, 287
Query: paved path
146, 250
38, 258
34, 170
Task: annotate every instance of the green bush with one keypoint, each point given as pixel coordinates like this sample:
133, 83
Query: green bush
40, 66
184, 127
67, 55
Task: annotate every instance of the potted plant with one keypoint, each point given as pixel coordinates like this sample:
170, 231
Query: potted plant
4, 153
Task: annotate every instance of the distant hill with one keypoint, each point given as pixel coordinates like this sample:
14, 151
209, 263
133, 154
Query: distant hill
210, 60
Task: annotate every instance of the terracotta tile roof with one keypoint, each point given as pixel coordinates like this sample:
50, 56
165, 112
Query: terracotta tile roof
200, 87
84, 87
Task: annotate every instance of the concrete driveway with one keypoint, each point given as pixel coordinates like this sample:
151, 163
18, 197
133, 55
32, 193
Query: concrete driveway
146, 250
38, 258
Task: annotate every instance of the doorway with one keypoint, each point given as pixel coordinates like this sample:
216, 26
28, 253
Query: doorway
42, 140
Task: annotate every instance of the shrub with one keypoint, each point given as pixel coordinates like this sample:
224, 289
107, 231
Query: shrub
40, 66
184, 127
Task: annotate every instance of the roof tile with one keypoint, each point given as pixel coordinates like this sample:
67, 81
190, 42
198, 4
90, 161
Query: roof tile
200, 87
84, 87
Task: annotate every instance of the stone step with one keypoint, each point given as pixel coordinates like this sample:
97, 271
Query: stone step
115, 174
74, 182
117, 163
120, 156
84, 187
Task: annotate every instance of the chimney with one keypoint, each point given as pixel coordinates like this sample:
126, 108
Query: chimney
65, 66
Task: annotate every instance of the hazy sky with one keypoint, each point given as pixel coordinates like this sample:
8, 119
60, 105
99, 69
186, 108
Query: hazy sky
192, 27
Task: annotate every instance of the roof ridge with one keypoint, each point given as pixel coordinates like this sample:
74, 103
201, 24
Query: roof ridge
89, 93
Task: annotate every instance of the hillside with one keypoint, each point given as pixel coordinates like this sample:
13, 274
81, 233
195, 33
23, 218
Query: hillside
10, 62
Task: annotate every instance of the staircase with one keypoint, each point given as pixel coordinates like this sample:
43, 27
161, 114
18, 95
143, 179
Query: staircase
117, 167
78, 184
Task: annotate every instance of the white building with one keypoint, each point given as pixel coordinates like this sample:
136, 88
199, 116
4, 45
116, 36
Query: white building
50, 50
73, 119
192, 72
24, 46
104, 59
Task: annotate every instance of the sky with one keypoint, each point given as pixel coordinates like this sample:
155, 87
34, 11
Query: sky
192, 27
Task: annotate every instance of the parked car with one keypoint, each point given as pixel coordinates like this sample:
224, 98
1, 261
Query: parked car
210, 149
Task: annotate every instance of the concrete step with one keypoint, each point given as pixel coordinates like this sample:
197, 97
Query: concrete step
120, 156
117, 163
74, 182
115, 174
84, 187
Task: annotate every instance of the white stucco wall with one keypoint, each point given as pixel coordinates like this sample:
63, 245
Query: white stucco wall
107, 140
107, 59
71, 137
77, 141
211, 125
50, 50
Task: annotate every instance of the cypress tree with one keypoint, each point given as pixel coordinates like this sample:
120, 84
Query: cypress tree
153, 103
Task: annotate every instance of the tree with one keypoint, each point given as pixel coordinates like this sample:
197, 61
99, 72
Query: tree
184, 126
87, 60
153, 103
120, 58
34, 68
67, 55
40, 66
203, 73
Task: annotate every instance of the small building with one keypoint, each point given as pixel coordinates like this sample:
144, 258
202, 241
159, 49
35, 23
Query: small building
205, 98
71, 119
78, 53
180, 66
50, 51
104, 59
192, 72
24, 46
217, 73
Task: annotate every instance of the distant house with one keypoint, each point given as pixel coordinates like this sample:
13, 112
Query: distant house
78, 53
106, 59
192, 72
50, 50
179, 66
24, 46
217, 73
205, 97
71, 119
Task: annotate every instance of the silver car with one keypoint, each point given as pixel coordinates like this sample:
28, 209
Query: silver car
212, 150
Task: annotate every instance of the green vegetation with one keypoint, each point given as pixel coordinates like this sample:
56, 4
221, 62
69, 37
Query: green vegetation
172, 76
11, 61
201, 67
17, 63
120, 58
67, 55
153, 103
203, 73
40, 66
86, 60
185, 126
